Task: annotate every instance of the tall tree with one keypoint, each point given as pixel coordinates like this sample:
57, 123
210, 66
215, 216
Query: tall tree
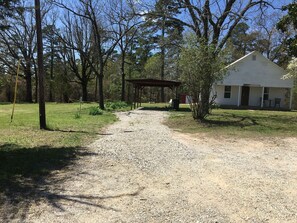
51, 52
261, 35
7, 9
269, 40
77, 38
124, 19
98, 13
193, 71
212, 22
241, 42
161, 23
42, 116
18, 43
289, 24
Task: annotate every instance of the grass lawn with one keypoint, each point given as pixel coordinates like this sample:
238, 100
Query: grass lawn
69, 126
29, 155
240, 123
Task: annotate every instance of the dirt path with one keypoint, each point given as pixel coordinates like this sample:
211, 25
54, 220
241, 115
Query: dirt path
141, 171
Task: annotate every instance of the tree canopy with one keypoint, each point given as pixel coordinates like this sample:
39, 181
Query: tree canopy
288, 23
92, 46
7, 9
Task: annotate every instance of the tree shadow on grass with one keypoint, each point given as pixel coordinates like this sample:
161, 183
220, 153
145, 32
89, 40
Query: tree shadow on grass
75, 131
165, 109
27, 177
230, 120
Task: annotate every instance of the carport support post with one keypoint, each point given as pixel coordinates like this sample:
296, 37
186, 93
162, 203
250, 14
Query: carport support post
291, 98
138, 92
238, 97
176, 93
262, 98
140, 96
134, 98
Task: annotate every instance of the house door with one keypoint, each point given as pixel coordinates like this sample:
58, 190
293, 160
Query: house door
245, 96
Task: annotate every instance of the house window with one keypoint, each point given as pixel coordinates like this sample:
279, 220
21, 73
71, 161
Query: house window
266, 93
227, 93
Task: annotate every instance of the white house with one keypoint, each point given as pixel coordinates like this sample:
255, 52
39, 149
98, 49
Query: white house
254, 81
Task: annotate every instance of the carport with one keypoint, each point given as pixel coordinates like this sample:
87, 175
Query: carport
140, 84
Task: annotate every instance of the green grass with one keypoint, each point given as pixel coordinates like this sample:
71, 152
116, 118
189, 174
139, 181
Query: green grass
240, 123
29, 156
69, 125
162, 106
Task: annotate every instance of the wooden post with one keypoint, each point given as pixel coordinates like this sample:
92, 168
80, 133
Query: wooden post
140, 92
238, 96
141, 89
291, 98
134, 100
42, 119
137, 98
262, 98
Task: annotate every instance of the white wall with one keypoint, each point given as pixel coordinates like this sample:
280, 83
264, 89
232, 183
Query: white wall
281, 93
256, 74
260, 72
255, 95
219, 89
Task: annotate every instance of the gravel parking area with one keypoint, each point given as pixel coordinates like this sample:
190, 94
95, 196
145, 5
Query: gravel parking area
141, 171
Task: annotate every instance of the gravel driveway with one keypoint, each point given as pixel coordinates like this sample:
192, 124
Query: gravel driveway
141, 171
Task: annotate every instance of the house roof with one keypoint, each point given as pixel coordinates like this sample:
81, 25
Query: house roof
240, 59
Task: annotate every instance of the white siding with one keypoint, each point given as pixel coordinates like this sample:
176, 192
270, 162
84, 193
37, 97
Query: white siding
219, 90
256, 74
281, 93
260, 72
255, 95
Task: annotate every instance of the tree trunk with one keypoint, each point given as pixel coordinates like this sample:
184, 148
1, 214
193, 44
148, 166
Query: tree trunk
36, 83
162, 72
28, 76
129, 87
206, 85
84, 86
123, 96
100, 88
203, 109
42, 115
163, 58
9, 91
207, 81
96, 88
65, 97
51, 97
64, 87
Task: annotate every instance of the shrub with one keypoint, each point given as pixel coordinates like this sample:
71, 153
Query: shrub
77, 115
95, 111
116, 105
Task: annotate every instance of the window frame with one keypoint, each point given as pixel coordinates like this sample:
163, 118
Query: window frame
227, 91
